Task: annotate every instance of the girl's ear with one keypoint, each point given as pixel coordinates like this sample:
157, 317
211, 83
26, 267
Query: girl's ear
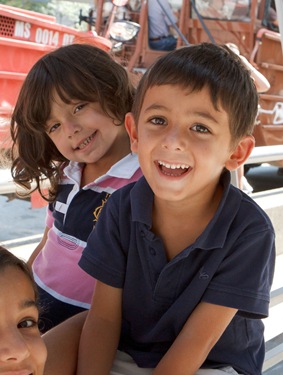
132, 131
240, 153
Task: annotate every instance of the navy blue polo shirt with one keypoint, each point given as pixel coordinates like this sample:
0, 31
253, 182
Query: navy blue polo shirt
230, 264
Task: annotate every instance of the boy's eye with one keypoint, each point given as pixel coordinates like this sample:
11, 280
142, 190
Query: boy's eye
157, 121
53, 128
200, 128
27, 323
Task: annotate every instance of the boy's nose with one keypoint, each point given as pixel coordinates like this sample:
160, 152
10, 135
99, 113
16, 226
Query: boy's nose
13, 347
174, 140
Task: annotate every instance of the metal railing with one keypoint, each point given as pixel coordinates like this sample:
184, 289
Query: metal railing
262, 154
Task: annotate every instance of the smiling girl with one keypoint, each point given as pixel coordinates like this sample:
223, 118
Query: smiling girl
68, 127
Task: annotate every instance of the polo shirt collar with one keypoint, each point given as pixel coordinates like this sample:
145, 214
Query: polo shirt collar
215, 234
124, 168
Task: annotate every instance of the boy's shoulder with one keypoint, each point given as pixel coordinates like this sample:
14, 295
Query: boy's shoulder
136, 198
136, 191
248, 209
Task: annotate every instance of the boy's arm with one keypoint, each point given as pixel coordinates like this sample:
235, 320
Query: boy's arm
38, 247
62, 344
101, 331
198, 336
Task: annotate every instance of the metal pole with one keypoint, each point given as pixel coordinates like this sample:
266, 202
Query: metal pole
279, 11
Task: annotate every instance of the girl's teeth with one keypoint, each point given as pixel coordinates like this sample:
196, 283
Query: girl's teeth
85, 142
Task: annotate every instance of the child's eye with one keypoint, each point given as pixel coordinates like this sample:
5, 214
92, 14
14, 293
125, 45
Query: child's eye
27, 323
52, 128
157, 121
200, 128
79, 107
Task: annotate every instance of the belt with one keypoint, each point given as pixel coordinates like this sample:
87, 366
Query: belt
158, 38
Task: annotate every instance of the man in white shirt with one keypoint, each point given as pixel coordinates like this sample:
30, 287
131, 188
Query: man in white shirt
160, 18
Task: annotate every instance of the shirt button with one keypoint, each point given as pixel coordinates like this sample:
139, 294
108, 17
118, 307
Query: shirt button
152, 251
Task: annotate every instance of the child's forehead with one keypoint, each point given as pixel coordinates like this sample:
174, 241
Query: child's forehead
170, 94
14, 279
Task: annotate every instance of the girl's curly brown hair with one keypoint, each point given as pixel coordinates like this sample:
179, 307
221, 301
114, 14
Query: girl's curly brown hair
77, 71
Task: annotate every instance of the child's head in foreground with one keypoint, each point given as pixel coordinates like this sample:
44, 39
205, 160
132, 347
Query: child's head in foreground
212, 66
21, 348
77, 74
194, 110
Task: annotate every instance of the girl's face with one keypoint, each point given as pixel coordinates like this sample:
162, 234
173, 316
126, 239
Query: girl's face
22, 351
82, 132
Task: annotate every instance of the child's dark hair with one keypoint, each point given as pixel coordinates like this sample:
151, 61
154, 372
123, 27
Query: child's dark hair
77, 71
212, 66
7, 259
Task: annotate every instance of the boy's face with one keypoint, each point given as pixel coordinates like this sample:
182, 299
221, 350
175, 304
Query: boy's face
182, 141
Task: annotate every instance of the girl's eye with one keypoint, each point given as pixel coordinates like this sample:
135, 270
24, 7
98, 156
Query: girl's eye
53, 128
200, 128
79, 107
157, 121
27, 323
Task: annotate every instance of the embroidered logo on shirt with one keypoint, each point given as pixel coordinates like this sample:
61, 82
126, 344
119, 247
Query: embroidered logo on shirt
98, 209
202, 274
67, 241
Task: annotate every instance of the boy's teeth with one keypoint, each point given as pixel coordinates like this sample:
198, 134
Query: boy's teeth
173, 166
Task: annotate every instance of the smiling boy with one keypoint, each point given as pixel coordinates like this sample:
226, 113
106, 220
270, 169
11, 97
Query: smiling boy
184, 260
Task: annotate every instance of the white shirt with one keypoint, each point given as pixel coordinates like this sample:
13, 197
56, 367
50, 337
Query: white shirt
158, 22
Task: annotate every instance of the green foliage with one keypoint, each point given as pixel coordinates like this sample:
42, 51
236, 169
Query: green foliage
66, 12
36, 6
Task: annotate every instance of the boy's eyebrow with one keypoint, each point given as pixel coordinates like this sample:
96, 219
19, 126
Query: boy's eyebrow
154, 106
205, 115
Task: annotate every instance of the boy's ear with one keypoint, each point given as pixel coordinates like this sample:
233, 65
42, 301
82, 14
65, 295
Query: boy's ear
241, 153
132, 131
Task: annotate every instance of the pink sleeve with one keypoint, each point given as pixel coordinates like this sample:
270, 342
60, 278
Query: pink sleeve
49, 220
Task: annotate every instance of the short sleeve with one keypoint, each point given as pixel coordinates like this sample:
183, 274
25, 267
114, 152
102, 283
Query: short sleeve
244, 278
103, 258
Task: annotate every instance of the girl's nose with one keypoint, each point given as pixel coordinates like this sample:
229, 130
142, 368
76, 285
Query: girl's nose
13, 347
71, 128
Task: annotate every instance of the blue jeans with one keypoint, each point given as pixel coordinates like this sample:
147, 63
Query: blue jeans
164, 44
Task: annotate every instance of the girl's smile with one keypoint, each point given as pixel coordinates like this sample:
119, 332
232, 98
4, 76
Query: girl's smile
82, 145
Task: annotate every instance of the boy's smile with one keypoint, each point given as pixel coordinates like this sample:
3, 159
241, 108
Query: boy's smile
173, 170
183, 142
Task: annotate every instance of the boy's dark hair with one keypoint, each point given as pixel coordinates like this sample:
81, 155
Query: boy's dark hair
7, 259
77, 71
212, 66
